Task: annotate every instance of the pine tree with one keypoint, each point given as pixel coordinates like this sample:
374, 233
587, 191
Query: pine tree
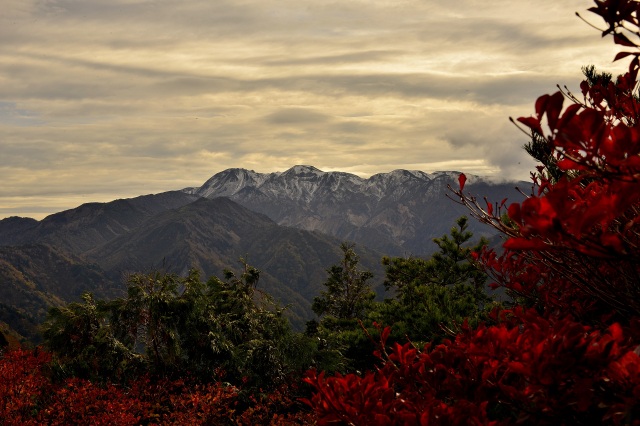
342, 344
170, 325
348, 296
433, 296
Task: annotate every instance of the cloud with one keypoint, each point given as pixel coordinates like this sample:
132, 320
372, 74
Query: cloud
296, 116
105, 99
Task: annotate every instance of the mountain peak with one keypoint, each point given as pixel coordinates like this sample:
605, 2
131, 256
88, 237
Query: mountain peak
303, 170
230, 181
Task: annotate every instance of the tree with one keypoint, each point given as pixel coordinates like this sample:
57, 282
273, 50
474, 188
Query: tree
249, 334
170, 325
84, 341
432, 297
341, 343
348, 296
149, 317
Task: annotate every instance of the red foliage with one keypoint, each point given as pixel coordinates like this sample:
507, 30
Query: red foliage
79, 401
22, 384
593, 210
28, 396
526, 369
278, 408
581, 231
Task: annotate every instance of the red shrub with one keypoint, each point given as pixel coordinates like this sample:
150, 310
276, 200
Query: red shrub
526, 369
28, 396
23, 385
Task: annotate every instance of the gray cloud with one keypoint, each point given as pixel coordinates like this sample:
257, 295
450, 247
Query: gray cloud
101, 99
296, 116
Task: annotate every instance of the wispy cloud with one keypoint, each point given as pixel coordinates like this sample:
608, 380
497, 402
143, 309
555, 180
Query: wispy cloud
102, 99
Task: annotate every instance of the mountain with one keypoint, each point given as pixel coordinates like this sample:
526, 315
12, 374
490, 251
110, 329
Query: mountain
397, 213
92, 224
34, 278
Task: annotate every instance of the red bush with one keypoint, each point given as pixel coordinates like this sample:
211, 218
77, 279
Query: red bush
28, 396
23, 385
525, 369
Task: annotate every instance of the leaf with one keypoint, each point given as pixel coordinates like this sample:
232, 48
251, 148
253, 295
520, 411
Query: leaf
541, 105
554, 106
623, 40
525, 244
533, 123
462, 179
489, 207
616, 331
621, 55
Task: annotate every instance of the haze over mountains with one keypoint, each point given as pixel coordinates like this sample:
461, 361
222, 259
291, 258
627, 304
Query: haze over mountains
289, 225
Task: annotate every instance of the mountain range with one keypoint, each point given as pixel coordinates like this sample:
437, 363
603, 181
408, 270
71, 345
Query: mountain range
398, 213
289, 225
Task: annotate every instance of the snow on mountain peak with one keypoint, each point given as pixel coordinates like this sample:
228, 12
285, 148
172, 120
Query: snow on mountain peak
301, 182
229, 182
303, 170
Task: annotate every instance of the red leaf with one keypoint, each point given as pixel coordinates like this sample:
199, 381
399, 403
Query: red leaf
541, 105
621, 55
531, 122
462, 179
616, 331
525, 244
623, 40
554, 107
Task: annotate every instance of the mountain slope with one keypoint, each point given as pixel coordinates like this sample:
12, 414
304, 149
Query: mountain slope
90, 225
34, 278
213, 234
176, 231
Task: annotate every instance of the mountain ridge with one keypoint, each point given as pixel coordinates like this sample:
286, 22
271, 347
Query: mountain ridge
398, 212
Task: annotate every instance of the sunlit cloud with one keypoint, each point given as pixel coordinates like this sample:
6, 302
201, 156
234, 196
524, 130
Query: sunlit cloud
108, 99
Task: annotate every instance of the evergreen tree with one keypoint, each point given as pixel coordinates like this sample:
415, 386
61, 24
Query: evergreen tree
84, 341
348, 296
433, 296
171, 325
342, 344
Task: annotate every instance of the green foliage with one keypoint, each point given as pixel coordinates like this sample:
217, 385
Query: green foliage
249, 339
340, 341
348, 296
84, 341
594, 77
434, 296
171, 325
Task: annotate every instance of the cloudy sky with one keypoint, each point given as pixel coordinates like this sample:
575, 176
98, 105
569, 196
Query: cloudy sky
106, 99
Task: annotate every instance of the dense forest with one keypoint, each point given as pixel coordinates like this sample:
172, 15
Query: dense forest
562, 349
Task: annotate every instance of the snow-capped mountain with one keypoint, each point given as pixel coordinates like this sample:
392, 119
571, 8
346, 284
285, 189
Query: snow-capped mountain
399, 212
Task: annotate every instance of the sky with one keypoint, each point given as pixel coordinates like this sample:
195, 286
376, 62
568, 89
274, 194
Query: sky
108, 99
